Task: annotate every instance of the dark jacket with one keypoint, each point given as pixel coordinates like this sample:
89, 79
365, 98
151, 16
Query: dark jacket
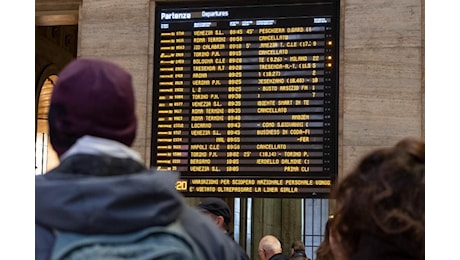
243, 253
299, 255
103, 194
375, 248
279, 256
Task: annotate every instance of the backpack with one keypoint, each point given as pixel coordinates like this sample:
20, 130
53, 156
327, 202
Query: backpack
169, 242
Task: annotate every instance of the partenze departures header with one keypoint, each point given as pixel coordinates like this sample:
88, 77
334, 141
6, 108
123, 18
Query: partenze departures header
188, 15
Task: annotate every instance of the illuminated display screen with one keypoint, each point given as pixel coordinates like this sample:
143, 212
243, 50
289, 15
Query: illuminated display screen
245, 97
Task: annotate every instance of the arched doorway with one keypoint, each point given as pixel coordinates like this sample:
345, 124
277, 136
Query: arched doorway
45, 156
56, 33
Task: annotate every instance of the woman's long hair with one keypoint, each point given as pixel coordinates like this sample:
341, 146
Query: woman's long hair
384, 197
324, 251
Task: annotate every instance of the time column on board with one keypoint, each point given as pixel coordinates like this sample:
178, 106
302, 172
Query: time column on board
234, 95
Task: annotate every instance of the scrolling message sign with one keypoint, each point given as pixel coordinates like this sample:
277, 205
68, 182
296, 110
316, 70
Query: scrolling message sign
245, 97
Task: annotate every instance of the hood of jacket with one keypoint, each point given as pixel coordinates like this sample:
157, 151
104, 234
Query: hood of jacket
108, 204
81, 195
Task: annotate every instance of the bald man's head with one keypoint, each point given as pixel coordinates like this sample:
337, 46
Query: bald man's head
268, 246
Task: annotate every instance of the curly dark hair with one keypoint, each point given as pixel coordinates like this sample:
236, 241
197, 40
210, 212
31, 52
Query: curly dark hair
384, 196
324, 251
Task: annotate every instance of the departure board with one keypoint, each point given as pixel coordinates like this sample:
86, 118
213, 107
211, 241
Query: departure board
245, 97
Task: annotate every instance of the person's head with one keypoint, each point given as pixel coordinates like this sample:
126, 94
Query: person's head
330, 247
218, 210
324, 249
297, 247
269, 245
92, 97
384, 196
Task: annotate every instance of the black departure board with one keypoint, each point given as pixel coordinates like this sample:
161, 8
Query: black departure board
245, 97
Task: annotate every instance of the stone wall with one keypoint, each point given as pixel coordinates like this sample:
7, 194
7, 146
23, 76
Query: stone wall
120, 31
382, 75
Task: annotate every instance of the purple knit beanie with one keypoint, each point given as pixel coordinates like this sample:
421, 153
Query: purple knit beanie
92, 97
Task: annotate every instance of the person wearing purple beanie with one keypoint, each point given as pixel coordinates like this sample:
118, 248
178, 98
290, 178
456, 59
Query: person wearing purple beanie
101, 185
